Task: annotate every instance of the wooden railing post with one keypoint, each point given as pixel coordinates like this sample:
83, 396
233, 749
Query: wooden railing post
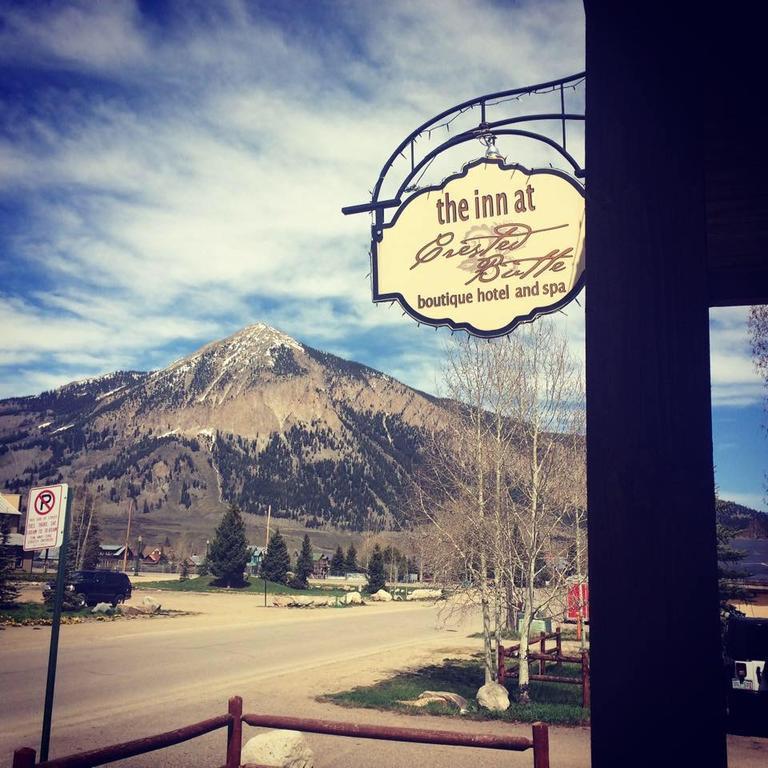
540, 745
586, 694
559, 645
24, 757
235, 732
542, 650
502, 667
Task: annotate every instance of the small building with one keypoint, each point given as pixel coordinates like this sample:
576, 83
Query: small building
112, 557
253, 566
154, 556
321, 565
10, 515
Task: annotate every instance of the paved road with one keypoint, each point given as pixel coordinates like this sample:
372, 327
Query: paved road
127, 679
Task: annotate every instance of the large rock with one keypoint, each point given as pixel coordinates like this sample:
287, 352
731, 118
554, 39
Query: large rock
149, 605
301, 601
439, 697
424, 594
102, 608
382, 596
494, 697
353, 598
281, 601
287, 749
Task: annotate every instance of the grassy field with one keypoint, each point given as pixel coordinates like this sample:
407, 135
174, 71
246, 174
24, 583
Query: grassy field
36, 577
37, 613
554, 703
253, 586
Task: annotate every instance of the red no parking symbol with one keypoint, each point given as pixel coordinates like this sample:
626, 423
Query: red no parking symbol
44, 502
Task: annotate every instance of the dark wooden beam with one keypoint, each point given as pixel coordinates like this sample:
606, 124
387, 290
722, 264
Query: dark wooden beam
653, 580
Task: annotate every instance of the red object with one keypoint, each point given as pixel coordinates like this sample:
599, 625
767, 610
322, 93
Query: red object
577, 604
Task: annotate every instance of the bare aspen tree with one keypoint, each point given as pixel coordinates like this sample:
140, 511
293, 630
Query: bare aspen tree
504, 482
546, 471
452, 492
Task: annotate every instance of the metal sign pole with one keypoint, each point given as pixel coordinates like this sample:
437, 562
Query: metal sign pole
54, 649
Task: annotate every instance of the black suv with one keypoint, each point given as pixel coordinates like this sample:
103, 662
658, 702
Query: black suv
97, 587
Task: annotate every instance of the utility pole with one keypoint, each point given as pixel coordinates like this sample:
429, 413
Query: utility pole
128, 534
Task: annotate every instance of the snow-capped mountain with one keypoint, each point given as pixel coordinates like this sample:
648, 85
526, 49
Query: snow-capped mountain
256, 419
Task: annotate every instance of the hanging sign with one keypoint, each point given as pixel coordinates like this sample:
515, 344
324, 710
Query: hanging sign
46, 513
490, 248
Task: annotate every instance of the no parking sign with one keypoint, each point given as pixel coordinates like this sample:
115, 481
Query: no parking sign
46, 513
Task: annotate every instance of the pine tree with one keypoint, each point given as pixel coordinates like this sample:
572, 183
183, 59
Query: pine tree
351, 560
304, 564
89, 554
71, 600
338, 564
730, 577
276, 562
9, 592
376, 579
228, 553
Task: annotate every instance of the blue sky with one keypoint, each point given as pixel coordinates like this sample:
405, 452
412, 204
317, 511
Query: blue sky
173, 171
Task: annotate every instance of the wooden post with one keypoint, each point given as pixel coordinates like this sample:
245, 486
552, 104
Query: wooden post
235, 732
540, 745
559, 644
586, 694
542, 649
24, 757
502, 668
649, 412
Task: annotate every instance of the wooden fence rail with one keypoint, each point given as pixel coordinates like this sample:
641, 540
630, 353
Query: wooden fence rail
234, 719
25, 757
543, 656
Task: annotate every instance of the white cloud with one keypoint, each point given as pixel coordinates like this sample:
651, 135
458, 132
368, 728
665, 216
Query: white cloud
734, 379
191, 172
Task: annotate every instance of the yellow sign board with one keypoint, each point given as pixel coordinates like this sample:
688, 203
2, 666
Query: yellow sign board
488, 249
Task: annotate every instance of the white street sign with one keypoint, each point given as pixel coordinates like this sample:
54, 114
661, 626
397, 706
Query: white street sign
46, 512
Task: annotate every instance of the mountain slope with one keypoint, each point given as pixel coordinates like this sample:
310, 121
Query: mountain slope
256, 419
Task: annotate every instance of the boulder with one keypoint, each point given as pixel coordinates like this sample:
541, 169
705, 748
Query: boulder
149, 605
311, 601
287, 749
382, 596
281, 601
439, 697
353, 598
494, 697
102, 608
301, 601
424, 594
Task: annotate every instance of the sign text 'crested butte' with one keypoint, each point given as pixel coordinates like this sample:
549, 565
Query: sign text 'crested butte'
491, 247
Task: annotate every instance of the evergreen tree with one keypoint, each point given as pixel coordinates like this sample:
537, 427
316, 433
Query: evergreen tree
277, 561
338, 564
304, 564
228, 553
730, 578
71, 601
89, 554
376, 579
9, 592
351, 560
